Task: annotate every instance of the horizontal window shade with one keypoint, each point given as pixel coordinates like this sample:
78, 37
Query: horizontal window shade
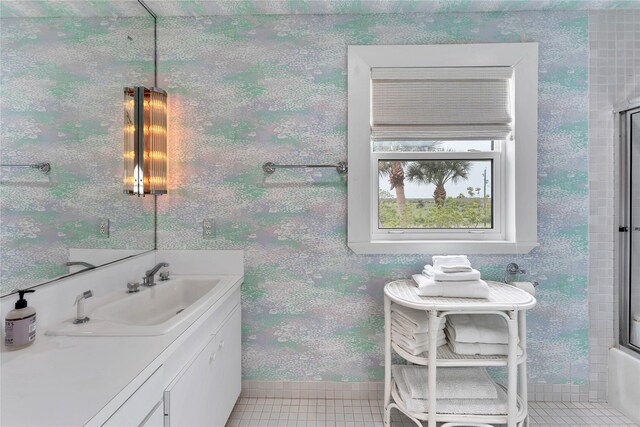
461, 102
442, 102
467, 132
442, 73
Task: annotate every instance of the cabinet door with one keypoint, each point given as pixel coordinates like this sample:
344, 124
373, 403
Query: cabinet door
204, 392
141, 403
226, 370
155, 418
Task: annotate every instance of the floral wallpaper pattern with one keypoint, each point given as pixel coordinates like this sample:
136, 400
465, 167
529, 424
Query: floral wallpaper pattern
61, 102
276, 7
200, 8
245, 90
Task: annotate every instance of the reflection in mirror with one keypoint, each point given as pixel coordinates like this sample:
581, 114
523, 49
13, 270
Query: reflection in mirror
63, 72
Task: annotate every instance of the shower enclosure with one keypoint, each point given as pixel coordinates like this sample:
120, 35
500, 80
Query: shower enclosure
628, 130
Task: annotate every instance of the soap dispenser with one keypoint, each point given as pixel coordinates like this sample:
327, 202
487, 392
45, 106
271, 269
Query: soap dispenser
20, 324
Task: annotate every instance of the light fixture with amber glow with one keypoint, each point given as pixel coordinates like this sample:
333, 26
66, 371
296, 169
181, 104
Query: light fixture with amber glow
145, 140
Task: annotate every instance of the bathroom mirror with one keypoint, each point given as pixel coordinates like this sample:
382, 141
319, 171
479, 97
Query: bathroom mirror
63, 68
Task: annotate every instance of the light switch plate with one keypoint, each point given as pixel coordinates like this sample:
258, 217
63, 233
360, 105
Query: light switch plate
208, 228
103, 227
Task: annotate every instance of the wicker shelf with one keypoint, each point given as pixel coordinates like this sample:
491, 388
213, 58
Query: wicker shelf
447, 358
457, 418
504, 300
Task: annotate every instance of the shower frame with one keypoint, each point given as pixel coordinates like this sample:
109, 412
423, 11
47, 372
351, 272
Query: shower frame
622, 139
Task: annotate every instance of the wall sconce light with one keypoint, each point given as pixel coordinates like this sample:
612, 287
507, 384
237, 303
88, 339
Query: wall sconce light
145, 140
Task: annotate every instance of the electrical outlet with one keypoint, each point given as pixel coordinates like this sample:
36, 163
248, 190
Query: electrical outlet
208, 228
103, 227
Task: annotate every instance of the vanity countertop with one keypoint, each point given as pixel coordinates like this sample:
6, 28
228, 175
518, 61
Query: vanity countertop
73, 381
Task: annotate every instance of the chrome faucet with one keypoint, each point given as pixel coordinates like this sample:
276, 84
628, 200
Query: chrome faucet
80, 316
149, 275
82, 263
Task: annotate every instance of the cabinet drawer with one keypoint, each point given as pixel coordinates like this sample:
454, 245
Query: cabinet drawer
144, 400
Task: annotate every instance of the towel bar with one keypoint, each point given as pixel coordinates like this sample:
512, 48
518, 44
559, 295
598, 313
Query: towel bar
44, 167
270, 167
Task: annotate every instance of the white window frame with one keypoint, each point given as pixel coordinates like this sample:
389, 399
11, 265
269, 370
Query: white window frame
514, 168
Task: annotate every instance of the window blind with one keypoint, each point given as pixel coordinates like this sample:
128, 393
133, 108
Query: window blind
441, 103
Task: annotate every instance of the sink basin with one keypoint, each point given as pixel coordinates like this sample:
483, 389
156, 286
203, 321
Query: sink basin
151, 311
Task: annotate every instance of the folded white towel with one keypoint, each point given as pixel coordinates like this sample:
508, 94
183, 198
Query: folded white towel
480, 349
451, 383
428, 287
497, 406
419, 336
416, 350
418, 318
442, 276
455, 268
480, 328
418, 340
402, 323
450, 260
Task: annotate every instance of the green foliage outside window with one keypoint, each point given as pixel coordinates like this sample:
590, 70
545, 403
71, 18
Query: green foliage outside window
395, 210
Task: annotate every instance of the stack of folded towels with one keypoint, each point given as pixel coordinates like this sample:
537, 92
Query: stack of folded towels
410, 330
451, 276
459, 390
478, 334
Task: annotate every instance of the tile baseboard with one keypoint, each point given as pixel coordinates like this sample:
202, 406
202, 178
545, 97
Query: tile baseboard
374, 390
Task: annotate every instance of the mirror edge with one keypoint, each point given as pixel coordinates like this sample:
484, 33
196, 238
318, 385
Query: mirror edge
155, 197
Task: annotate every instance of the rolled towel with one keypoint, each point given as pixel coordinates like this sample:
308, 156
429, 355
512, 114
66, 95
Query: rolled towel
418, 318
450, 261
497, 406
442, 276
478, 328
480, 349
428, 287
451, 383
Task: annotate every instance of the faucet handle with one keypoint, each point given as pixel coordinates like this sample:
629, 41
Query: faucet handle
513, 268
133, 287
164, 275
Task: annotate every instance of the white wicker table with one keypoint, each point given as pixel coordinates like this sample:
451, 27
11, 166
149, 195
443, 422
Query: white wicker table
504, 300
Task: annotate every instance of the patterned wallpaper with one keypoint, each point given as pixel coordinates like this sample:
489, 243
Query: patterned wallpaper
61, 102
71, 8
249, 89
276, 7
92, 8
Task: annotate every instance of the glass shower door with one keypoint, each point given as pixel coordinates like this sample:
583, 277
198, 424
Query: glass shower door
632, 132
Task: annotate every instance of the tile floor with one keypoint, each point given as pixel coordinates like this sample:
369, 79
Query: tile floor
266, 412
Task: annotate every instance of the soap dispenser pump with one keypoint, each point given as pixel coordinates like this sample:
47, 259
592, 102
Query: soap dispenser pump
20, 324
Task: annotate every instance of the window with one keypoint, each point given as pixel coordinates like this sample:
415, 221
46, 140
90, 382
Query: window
442, 148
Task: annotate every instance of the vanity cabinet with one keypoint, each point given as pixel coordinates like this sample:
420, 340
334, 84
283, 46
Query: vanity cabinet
198, 383
204, 392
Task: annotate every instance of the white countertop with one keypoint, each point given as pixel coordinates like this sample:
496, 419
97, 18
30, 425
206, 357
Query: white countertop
67, 381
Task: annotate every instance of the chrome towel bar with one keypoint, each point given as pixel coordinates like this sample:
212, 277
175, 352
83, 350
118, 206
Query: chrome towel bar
270, 167
44, 167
